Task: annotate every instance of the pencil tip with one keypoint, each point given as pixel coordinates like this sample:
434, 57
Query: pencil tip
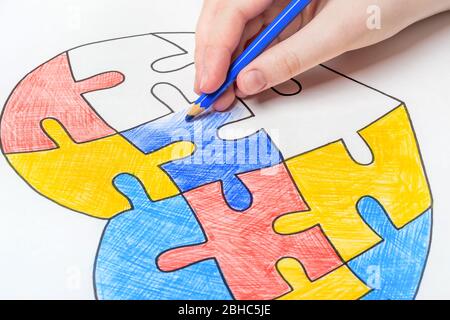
195, 110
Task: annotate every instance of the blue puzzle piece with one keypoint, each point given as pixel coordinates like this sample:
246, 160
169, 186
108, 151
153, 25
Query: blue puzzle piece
393, 268
214, 159
126, 267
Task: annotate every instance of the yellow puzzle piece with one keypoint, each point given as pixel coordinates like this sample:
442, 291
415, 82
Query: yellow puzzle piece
341, 284
79, 176
332, 184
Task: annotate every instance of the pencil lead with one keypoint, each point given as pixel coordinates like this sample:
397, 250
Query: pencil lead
189, 118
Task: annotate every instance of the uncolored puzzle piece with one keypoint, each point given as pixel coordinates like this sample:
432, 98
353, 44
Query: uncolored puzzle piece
395, 266
245, 244
214, 159
328, 108
340, 284
79, 176
332, 184
50, 91
126, 267
145, 61
185, 42
289, 88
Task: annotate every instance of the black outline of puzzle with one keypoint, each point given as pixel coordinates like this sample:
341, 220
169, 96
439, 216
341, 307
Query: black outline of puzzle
299, 90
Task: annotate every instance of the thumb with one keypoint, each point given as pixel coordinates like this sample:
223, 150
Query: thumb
285, 60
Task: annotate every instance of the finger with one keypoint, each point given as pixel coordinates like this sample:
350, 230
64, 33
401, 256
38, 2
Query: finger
256, 25
252, 29
223, 37
226, 100
239, 93
311, 11
207, 15
304, 50
216, 62
270, 15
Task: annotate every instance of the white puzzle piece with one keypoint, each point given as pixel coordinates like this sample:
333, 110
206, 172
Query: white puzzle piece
185, 42
145, 61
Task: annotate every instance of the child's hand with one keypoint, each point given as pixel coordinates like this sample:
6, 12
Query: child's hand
326, 29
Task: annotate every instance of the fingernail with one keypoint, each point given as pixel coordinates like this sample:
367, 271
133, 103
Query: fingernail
254, 82
220, 107
197, 83
240, 94
204, 81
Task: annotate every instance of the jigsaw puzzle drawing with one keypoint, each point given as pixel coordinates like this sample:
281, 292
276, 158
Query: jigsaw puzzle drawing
214, 159
340, 284
145, 61
50, 91
331, 182
81, 174
401, 256
313, 190
312, 117
245, 244
126, 266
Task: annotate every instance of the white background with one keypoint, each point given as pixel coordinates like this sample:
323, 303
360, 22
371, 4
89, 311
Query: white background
56, 261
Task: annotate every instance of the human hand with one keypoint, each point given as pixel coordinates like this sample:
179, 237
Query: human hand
326, 29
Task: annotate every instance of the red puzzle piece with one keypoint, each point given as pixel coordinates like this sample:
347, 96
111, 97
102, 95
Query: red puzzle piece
50, 91
245, 244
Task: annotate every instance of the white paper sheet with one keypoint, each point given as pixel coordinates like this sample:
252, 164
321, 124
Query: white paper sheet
49, 251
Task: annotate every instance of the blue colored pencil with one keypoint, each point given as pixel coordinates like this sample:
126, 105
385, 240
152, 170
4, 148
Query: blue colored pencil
205, 101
